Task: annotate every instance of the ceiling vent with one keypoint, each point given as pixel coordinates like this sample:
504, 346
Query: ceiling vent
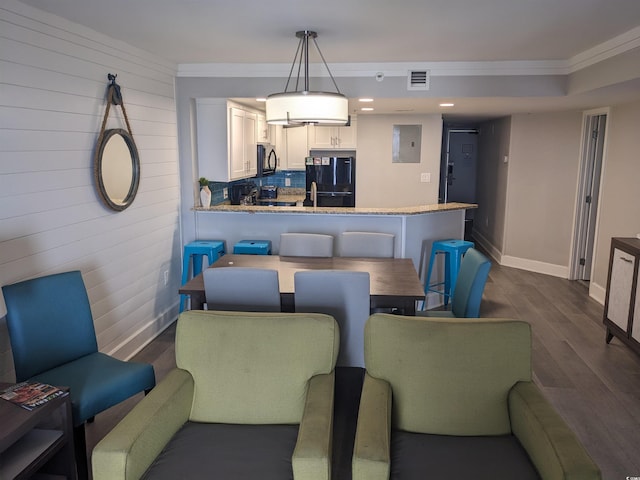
418, 80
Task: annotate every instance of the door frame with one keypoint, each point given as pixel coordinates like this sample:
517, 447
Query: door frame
577, 234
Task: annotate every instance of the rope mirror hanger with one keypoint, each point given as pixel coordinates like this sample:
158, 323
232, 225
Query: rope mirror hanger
116, 165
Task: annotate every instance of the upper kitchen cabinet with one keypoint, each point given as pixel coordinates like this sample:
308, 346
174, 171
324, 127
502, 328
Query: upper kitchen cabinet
242, 138
265, 133
333, 137
297, 148
226, 140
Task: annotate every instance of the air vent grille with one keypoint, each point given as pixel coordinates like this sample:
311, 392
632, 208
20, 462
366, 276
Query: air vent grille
418, 80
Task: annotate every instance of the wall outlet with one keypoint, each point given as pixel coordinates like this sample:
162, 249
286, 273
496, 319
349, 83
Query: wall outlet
425, 177
225, 193
287, 182
166, 277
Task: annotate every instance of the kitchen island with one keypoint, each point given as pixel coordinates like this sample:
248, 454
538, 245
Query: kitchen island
415, 227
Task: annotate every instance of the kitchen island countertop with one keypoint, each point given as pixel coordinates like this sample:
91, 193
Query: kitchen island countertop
411, 210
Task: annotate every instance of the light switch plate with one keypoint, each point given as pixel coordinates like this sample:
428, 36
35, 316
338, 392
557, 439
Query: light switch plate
425, 177
225, 193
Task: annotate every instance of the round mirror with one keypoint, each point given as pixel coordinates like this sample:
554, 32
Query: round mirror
117, 169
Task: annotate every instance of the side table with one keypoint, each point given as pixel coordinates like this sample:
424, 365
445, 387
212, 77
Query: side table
37, 441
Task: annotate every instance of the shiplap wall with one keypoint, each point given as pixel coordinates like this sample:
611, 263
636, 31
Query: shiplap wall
53, 80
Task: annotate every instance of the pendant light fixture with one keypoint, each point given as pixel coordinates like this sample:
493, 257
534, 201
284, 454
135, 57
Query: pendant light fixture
304, 107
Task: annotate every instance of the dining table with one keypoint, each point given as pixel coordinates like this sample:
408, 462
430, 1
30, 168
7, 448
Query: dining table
394, 282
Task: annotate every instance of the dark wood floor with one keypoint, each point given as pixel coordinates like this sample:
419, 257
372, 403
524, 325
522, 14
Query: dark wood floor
594, 386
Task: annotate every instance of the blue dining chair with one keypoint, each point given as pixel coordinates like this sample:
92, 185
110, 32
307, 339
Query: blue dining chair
467, 292
53, 340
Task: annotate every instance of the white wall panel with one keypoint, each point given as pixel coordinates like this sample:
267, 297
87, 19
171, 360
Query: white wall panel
53, 82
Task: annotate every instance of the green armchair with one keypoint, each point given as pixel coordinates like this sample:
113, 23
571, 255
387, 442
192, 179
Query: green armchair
251, 397
454, 398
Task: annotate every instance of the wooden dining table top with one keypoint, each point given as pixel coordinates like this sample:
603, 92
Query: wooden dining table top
394, 282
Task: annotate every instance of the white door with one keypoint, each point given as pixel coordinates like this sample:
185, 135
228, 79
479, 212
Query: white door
593, 150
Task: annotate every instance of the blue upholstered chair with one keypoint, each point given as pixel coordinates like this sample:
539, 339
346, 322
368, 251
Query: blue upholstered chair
53, 341
467, 292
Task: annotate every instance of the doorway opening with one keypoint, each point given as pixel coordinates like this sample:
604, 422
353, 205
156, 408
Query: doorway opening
458, 169
588, 195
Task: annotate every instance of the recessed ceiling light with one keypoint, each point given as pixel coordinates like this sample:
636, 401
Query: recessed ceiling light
367, 109
446, 104
365, 99
261, 99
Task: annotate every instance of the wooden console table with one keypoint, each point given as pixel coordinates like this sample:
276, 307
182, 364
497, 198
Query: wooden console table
36, 441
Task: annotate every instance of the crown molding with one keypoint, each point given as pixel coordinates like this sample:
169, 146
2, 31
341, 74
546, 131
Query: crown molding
612, 47
399, 69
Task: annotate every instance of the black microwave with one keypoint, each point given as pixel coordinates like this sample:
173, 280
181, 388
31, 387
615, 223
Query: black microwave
267, 160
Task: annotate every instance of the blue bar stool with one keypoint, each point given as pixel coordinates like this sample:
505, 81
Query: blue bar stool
253, 247
194, 252
453, 251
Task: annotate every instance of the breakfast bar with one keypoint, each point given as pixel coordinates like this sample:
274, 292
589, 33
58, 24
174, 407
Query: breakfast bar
415, 227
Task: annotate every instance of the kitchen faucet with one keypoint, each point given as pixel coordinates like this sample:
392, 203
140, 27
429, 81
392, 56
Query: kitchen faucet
314, 194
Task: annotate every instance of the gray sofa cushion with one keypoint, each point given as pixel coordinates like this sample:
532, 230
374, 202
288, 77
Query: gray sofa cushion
221, 451
419, 456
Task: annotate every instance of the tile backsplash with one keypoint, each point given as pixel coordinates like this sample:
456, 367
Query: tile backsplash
282, 178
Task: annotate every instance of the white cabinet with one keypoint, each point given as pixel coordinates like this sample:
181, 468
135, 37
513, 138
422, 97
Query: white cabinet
333, 137
635, 327
297, 148
226, 140
242, 142
622, 268
264, 132
622, 301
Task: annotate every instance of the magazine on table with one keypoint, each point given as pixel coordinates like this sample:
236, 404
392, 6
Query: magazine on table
31, 395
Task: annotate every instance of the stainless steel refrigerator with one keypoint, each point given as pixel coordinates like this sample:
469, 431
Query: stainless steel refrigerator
335, 179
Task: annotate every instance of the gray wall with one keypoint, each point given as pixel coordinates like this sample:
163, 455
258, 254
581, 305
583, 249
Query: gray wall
381, 183
492, 177
53, 84
619, 212
527, 206
543, 171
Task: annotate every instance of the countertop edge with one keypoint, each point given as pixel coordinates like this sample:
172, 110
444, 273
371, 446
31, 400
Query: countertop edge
413, 210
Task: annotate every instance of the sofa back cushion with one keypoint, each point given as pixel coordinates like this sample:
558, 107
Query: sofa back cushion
448, 376
253, 368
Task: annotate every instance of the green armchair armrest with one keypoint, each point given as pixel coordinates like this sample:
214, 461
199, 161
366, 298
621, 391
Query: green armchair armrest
371, 451
312, 455
127, 451
552, 446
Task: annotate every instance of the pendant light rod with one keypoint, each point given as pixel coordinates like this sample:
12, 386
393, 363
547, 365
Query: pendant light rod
303, 51
304, 107
306, 34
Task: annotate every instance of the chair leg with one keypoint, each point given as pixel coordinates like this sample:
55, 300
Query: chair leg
80, 447
91, 419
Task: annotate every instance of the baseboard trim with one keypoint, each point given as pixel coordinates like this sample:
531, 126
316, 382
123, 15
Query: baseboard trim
561, 271
487, 246
597, 292
145, 335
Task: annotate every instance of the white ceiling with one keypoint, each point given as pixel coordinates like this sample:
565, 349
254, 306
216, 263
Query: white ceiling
373, 31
